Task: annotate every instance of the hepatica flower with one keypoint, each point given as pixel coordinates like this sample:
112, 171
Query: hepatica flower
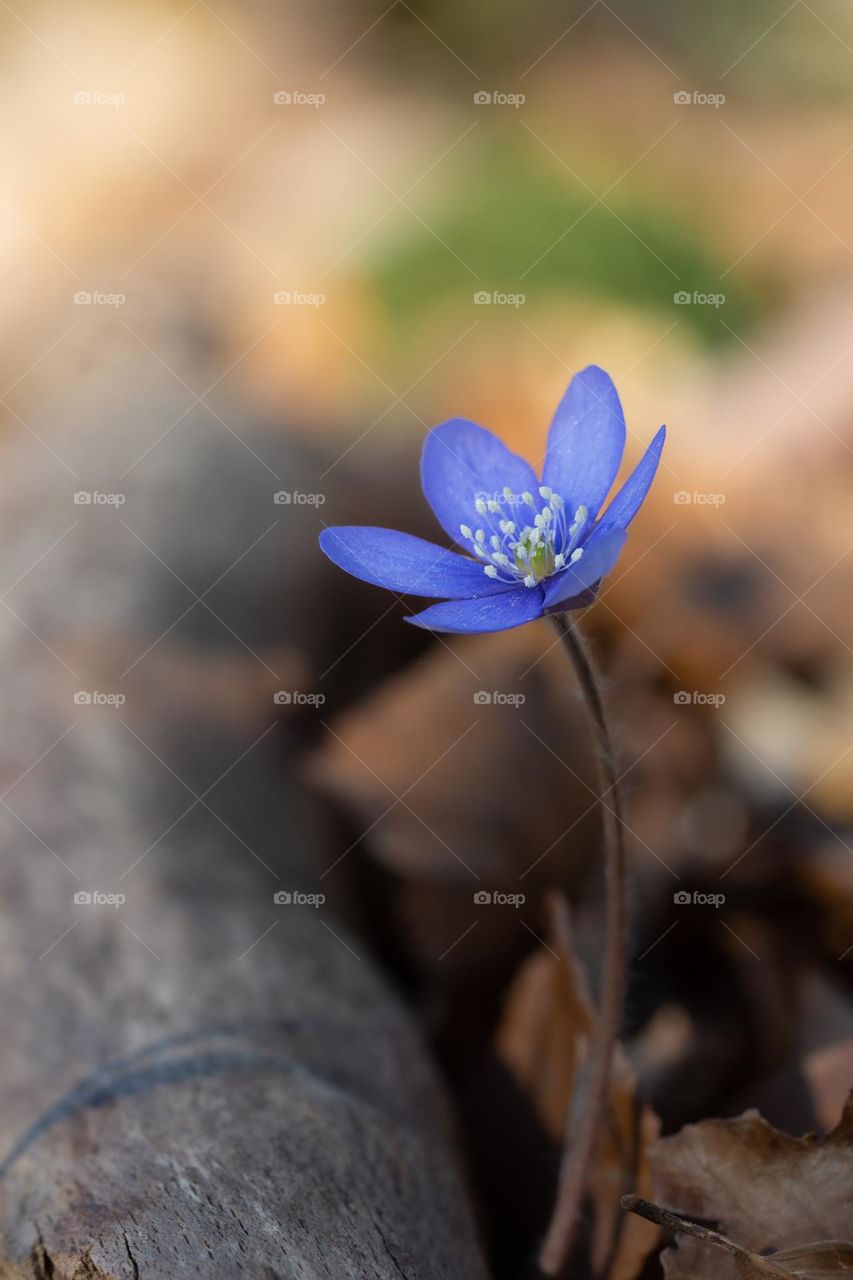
530, 547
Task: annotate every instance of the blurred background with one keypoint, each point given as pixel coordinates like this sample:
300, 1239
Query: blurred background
344, 223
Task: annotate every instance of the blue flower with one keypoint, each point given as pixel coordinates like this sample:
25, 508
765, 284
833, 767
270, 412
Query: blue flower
531, 548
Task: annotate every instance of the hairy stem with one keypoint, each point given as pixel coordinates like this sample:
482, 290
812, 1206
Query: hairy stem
583, 1123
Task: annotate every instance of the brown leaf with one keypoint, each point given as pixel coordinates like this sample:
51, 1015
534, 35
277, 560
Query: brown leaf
827, 1073
694, 1259
766, 1189
544, 1039
493, 796
486, 785
786, 1199
691, 1259
829, 1258
544, 1031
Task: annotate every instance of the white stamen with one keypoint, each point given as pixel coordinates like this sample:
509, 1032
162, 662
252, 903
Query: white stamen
520, 552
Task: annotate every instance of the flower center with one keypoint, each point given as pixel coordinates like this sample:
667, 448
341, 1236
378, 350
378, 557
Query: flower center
519, 544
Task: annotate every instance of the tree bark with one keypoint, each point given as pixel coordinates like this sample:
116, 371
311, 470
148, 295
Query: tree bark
196, 1081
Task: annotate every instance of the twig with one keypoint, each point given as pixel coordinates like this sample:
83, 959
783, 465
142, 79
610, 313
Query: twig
663, 1218
580, 1137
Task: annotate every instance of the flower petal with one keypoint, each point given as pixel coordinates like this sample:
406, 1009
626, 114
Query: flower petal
461, 461
600, 554
586, 441
630, 497
498, 613
406, 564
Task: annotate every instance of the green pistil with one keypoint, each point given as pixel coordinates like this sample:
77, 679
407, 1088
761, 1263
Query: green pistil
540, 562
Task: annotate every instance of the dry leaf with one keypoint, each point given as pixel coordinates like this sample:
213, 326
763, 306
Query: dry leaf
544, 1038
494, 796
703, 1254
478, 772
828, 1072
788, 1199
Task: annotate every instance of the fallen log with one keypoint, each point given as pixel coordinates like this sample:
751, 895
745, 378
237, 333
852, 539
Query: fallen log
198, 1079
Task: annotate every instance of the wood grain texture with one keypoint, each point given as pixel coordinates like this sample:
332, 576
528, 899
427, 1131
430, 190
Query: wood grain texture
196, 1082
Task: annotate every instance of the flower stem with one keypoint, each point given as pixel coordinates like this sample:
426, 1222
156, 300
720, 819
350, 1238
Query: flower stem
581, 1134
